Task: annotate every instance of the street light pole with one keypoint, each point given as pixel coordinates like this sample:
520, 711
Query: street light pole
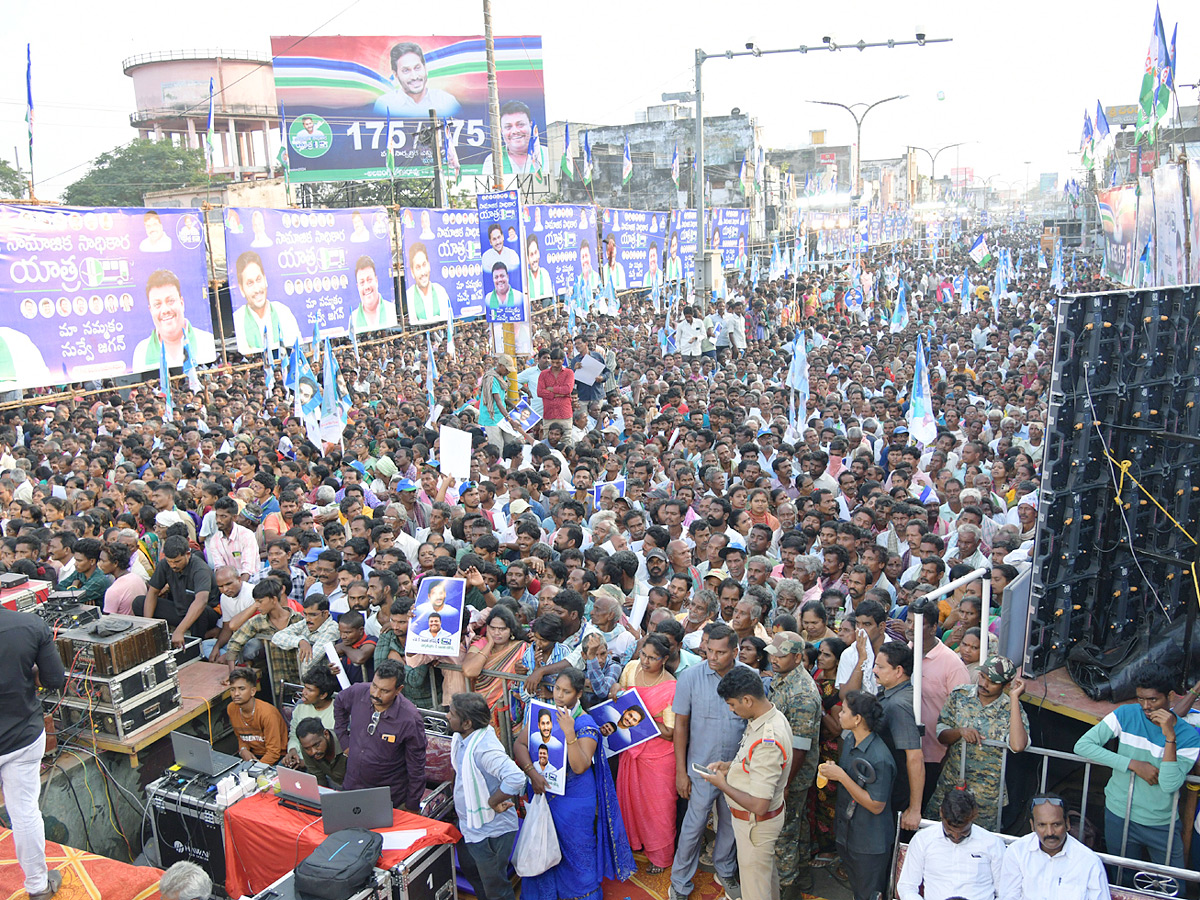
858, 120
933, 162
752, 49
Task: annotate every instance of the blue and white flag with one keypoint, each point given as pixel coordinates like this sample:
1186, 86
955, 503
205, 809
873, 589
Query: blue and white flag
900, 314
431, 373
189, 366
964, 294
332, 420
268, 363
1057, 277
354, 339
164, 384
921, 422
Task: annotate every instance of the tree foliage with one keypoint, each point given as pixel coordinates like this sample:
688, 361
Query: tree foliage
12, 184
122, 176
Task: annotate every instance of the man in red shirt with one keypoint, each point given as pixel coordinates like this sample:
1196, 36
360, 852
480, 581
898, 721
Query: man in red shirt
555, 386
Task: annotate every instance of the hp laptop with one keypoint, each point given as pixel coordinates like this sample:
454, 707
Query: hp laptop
300, 790
368, 808
198, 755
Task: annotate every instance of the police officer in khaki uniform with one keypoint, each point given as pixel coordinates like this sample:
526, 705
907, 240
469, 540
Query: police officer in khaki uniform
755, 781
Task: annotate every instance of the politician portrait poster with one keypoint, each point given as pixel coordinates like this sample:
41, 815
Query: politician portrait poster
624, 722
436, 624
547, 745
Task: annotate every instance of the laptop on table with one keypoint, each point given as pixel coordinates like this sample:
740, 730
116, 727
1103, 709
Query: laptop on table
368, 808
198, 755
300, 790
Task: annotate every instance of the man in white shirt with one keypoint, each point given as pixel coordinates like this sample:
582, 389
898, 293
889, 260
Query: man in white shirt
954, 859
1049, 862
689, 334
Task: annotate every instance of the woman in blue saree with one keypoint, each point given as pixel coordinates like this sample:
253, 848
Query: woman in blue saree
587, 818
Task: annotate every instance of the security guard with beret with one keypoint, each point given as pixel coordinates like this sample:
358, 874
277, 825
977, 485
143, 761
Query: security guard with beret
755, 781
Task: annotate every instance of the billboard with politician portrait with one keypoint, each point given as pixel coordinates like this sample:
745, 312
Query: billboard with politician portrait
442, 271
731, 233
349, 101
95, 293
555, 234
291, 271
681, 246
640, 238
500, 238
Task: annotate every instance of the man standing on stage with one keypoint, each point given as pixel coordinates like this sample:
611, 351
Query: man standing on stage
29, 657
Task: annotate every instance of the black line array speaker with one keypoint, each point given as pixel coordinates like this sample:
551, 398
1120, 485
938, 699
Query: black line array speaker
1112, 581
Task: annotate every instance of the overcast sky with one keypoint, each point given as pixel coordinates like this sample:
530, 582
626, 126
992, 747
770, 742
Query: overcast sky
1016, 79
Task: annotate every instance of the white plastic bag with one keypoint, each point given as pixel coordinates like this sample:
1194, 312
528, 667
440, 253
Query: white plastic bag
537, 847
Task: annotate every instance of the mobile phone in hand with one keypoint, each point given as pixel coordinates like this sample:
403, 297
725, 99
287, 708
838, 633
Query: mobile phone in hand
702, 770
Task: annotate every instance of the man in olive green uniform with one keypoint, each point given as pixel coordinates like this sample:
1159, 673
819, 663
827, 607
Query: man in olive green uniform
795, 694
755, 781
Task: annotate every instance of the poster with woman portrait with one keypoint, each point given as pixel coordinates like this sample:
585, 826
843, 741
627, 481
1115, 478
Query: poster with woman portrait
547, 745
624, 722
436, 625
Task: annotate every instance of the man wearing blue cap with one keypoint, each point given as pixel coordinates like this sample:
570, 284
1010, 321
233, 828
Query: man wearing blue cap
418, 512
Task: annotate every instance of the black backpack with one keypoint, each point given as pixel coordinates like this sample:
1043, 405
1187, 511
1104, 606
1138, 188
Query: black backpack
341, 865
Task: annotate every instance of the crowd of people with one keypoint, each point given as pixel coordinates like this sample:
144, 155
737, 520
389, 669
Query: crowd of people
778, 562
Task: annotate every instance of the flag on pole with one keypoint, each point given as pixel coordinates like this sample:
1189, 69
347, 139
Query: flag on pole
1102, 129
1087, 139
798, 370
431, 374
535, 150
921, 422
760, 169
210, 135
587, 158
964, 293
807, 183
675, 166
189, 365
900, 314
354, 340
565, 163
267, 363
626, 164
164, 383
1152, 107
450, 152
282, 156
292, 373
742, 173
388, 156
331, 410
29, 99
980, 253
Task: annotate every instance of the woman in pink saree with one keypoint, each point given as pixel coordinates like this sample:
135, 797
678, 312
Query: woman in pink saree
646, 777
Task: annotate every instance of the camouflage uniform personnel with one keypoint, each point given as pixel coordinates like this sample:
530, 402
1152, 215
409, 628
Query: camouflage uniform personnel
797, 697
963, 710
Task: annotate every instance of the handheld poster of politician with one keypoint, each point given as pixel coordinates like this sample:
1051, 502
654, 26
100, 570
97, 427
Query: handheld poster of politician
547, 745
436, 625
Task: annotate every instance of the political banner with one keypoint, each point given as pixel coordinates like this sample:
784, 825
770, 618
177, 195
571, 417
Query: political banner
300, 273
94, 293
731, 232
1170, 231
639, 238
442, 271
624, 722
1145, 230
500, 238
555, 235
1194, 219
681, 247
352, 100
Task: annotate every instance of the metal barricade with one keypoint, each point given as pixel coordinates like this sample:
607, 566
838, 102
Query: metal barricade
1046, 755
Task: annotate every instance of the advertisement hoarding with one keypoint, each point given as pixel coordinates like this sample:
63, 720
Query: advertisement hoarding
731, 232
500, 238
95, 293
350, 100
640, 237
555, 233
681, 246
442, 272
291, 271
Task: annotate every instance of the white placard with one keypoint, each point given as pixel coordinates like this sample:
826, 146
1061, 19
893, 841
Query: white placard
455, 453
336, 663
589, 370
